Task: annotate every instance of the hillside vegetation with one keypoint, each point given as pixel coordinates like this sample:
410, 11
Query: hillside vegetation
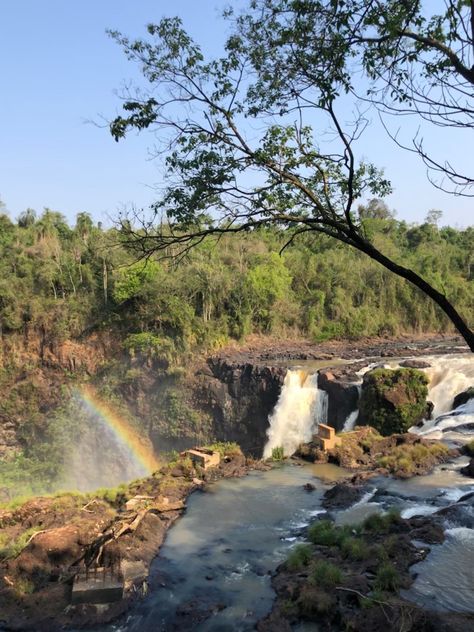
61, 281
76, 306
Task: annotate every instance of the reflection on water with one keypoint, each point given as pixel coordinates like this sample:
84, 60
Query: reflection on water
328, 472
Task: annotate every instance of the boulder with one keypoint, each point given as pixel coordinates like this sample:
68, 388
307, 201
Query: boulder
413, 363
464, 397
393, 400
343, 394
342, 495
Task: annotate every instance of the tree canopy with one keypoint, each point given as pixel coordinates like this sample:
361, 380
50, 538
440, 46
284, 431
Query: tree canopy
256, 137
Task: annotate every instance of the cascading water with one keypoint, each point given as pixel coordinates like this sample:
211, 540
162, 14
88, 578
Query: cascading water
449, 376
300, 407
350, 421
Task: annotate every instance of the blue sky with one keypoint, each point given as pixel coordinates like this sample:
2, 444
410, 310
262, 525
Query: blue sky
59, 69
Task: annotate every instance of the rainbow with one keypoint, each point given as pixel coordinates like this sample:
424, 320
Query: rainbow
140, 448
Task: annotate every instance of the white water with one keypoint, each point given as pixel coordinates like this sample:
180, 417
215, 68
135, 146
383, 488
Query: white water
300, 407
449, 375
350, 421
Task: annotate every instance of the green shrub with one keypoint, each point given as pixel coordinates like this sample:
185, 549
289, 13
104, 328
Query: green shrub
299, 557
381, 523
10, 549
278, 454
387, 578
325, 533
225, 448
325, 575
355, 549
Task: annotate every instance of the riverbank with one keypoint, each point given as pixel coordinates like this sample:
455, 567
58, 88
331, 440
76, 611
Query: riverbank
350, 578
47, 542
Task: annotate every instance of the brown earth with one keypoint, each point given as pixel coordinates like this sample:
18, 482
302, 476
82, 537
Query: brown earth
72, 531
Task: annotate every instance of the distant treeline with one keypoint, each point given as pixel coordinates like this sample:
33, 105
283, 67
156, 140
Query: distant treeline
63, 281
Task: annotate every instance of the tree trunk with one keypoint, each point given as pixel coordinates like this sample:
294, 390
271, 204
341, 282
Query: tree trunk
440, 299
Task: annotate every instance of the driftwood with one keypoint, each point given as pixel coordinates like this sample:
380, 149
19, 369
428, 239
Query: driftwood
96, 549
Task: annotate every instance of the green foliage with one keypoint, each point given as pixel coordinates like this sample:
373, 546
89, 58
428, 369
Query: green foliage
407, 460
130, 280
355, 549
225, 448
325, 533
325, 575
12, 548
299, 557
381, 523
393, 400
387, 578
278, 453
151, 346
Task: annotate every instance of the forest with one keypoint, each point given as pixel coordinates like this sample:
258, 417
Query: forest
62, 282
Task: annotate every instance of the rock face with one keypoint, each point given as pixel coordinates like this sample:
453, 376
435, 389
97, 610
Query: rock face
343, 394
464, 397
393, 400
239, 398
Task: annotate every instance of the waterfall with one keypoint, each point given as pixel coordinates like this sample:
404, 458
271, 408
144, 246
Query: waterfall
350, 421
300, 407
449, 375
351, 418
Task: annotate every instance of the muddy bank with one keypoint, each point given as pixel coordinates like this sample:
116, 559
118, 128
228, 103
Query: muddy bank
52, 540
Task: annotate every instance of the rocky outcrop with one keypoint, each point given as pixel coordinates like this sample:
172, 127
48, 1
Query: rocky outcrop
343, 394
464, 397
239, 398
393, 400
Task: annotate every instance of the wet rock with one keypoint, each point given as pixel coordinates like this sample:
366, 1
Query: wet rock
343, 394
413, 363
469, 469
427, 530
393, 400
309, 487
239, 397
459, 514
341, 496
464, 397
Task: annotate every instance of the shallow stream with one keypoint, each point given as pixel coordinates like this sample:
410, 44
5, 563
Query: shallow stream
213, 572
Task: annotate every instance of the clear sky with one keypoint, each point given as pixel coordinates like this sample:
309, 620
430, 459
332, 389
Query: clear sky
59, 70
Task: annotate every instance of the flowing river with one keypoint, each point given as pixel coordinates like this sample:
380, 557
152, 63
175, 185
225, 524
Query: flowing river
213, 572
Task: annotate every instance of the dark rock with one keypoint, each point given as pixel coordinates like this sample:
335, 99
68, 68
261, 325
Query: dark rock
239, 398
469, 469
464, 397
309, 487
343, 394
342, 496
459, 514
